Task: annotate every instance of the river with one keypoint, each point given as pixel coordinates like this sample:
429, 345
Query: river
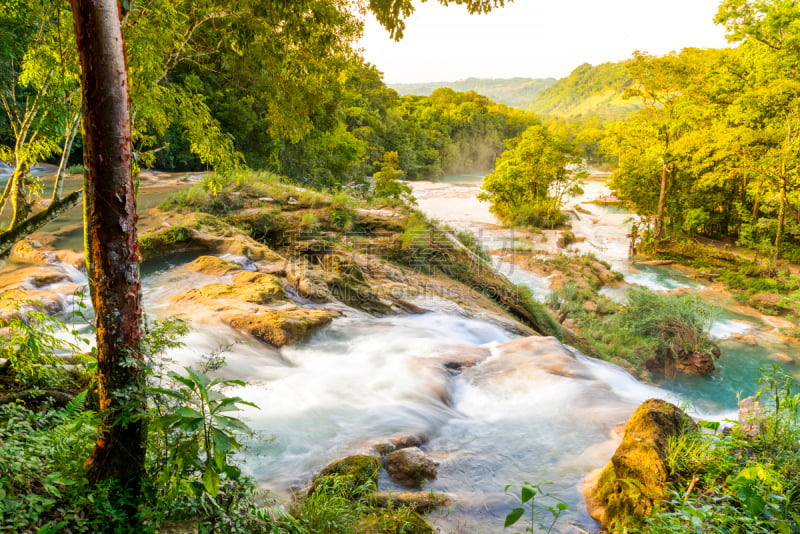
365, 378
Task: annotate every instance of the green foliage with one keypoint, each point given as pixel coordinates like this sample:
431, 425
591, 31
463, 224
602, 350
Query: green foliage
532, 179
223, 193
588, 91
528, 492
33, 348
672, 324
203, 427
742, 484
387, 180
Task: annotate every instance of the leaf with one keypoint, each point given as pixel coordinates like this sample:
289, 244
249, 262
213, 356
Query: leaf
232, 423
711, 425
183, 380
188, 413
513, 516
211, 482
201, 379
527, 494
170, 393
222, 443
754, 505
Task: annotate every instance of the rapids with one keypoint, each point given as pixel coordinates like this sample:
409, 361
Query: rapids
364, 378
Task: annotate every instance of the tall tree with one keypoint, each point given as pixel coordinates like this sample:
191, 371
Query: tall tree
113, 252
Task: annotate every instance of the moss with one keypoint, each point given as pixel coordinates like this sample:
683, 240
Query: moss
635, 482
252, 287
212, 265
153, 243
356, 472
393, 522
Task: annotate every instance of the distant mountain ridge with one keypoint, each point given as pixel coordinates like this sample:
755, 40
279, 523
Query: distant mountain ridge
588, 91
513, 92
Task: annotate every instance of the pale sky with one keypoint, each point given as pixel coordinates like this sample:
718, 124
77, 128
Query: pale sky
536, 38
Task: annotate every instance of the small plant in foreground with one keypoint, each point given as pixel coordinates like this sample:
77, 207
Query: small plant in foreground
535, 516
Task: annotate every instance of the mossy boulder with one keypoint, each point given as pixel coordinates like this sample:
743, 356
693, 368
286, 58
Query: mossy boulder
336, 278
419, 501
393, 522
33, 252
410, 467
182, 232
248, 286
257, 304
769, 303
282, 327
357, 471
212, 265
636, 481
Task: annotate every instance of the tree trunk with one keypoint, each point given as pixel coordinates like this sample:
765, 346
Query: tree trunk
110, 220
662, 195
20, 205
62, 165
781, 222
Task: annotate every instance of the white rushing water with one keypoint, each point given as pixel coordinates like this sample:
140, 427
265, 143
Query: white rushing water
364, 379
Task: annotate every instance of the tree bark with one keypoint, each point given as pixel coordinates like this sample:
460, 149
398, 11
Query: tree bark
781, 223
110, 221
20, 205
662, 200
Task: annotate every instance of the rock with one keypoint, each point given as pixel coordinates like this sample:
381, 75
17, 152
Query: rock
589, 306
410, 467
198, 231
257, 304
781, 357
751, 416
698, 362
635, 481
418, 501
213, 266
407, 522
33, 252
519, 363
695, 362
457, 357
746, 338
283, 327
361, 467
569, 323
769, 303
385, 446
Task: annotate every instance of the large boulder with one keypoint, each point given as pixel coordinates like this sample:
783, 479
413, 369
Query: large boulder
410, 467
255, 303
769, 303
690, 362
635, 482
357, 471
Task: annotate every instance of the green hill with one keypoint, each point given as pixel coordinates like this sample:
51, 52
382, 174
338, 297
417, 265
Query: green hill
588, 91
513, 92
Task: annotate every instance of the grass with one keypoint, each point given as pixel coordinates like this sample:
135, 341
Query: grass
650, 326
222, 193
742, 483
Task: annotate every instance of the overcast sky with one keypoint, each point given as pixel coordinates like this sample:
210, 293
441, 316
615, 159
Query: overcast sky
536, 38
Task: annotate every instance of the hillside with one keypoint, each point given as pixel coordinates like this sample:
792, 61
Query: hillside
587, 91
514, 92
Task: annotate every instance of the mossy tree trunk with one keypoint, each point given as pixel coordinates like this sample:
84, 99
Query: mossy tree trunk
110, 220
